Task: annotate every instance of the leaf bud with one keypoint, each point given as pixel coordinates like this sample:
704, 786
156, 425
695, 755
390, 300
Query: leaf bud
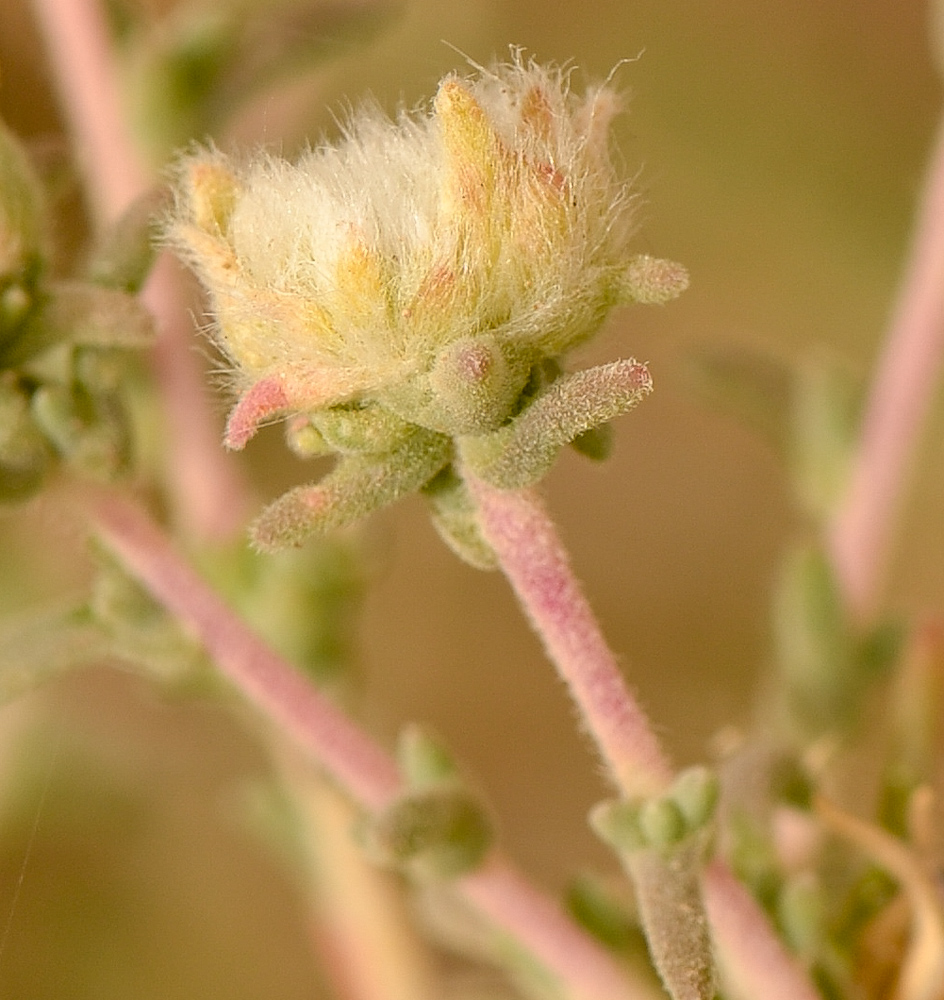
440, 832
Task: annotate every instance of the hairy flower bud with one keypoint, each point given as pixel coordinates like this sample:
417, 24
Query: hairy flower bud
424, 267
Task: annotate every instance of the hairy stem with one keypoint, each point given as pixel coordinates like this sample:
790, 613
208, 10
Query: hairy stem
861, 532
207, 490
533, 558
296, 709
524, 538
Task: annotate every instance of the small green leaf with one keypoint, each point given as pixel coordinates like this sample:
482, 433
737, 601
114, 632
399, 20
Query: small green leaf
617, 824
358, 430
440, 832
814, 648
77, 313
753, 388
696, 791
123, 254
604, 914
89, 431
826, 410
661, 822
424, 760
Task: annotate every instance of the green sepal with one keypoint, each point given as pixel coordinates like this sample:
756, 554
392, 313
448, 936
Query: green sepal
522, 452
454, 516
661, 821
617, 824
124, 253
476, 381
434, 833
472, 387
358, 485
356, 430
304, 439
696, 791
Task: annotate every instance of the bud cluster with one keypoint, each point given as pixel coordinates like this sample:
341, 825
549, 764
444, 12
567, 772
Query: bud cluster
406, 292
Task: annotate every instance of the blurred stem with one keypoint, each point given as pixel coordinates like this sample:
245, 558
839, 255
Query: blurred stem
207, 490
298, 711
861, 531
752, 958
360, 923
533, 558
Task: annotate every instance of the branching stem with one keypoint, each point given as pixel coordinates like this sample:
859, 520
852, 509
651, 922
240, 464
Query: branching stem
296, 709
533, 558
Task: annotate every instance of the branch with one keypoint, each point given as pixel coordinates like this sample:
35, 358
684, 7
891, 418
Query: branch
296, 709
861, 532
207, 489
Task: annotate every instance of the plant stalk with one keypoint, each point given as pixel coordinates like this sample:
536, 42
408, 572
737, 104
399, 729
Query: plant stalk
296, 709
208, 492
861, 532
535, 562
533, 558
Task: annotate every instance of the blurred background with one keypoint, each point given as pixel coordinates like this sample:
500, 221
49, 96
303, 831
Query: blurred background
779, 149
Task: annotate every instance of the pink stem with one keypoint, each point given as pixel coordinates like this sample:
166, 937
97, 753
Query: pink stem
502, 893
77, 38
753, 960
525, 540
861, 532
208, 491
352, 758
